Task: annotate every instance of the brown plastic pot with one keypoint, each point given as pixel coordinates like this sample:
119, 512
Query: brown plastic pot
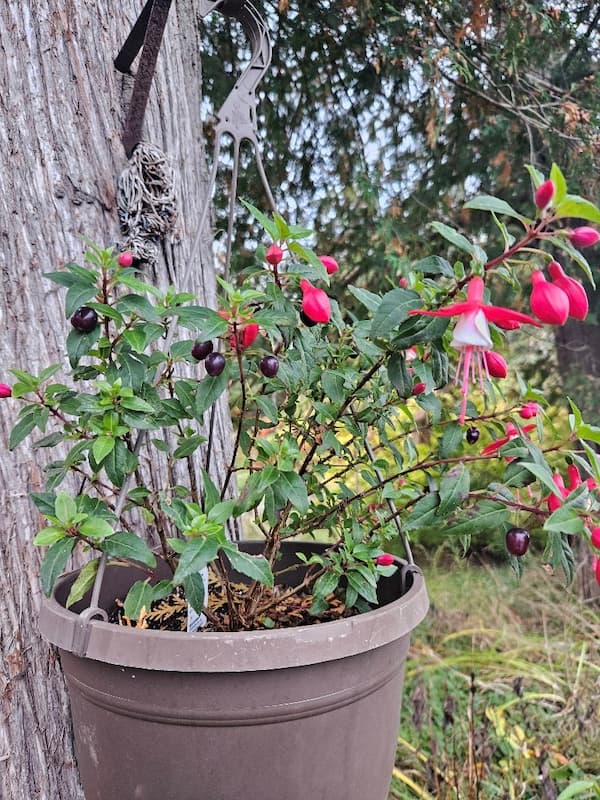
305, 713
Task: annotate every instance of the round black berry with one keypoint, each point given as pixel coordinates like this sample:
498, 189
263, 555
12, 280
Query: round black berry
517, 541
215, 364
202, 349
472, 435
84, 319
310, 323
269, 366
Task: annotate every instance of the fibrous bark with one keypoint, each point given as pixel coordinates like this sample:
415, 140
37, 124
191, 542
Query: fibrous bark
62, 108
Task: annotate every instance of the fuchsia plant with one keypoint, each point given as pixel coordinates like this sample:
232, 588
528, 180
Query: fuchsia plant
344, 424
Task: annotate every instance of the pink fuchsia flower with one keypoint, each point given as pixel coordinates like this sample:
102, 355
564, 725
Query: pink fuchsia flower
597, 569
529, 410
578, 301
385, 560
595, 538
496, 365
419, 388
472, 334
5, 390
274, 255
548, 301
574, 481
330, 264
511, 432
584, 237
315, 302
544, 194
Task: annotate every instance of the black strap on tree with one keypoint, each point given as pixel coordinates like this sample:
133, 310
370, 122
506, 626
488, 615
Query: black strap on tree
146, 35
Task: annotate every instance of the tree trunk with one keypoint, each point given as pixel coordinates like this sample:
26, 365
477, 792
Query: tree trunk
63, 106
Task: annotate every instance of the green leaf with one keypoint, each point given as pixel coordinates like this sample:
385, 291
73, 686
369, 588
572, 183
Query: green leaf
196, 555
268, 408
129, 546
255, 567
560, 554
486, 515
575, 206
119, 462
223, 511
212, 495
209, 390
564, 520
50, 441
433, 265
194, 591
393, 310
79, 344
139, 597
54, 563
23, 428
44, 502
399, 375
590, 433
333, 385
257, 485
452, 440
368, 299
101, 447
544, 476
48, 536
65, 508
364, 587
293, 488
486, 202
136, 404
536, 176
269, 225
563, 244
126, 278
206, 322
423, 513
454, 490
77, 295
139, 306
188, 445
560, 184
83, 582
326, 584
454, 237
96, 528
578, 788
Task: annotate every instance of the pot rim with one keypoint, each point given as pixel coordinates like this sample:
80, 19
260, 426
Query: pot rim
242, 651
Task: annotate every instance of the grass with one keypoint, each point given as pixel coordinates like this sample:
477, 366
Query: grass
502, 691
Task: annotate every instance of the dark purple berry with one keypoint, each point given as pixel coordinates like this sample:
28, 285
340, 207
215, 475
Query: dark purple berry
84, 319
201, 349
269, 366
517, 541
215, 364
310, 323
472, 435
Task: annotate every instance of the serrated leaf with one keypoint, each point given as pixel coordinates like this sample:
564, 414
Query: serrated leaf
454, 490
564, 520
486, 202
139, 597
194, 591
54, 563
195, 556
362, 586
130, 546
101, 447
255, 567
293, 488
326, 584
393, 310
83, 582
484, 516
422, 513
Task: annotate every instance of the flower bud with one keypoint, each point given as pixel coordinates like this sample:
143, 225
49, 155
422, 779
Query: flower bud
548, 302
403, 282
125, 259
419, 388
595, 538
597, 570
544, 194
578, 301
529, 410
495, 364
5, 390
274, 254
574, 477
330, 264
315, 302
554, 502
246, 336
385, 560
584, 237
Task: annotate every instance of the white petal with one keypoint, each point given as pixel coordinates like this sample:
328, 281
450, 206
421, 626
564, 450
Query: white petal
472, 330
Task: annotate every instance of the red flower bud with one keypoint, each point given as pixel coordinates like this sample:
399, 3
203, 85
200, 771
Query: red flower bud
330, 264
578, 301
245, 336
595, 538
548, 302
597, 570
315, 303
544, 194
496, 365
584, 237
419, 388
529, 410
385, 560
5, 390
125, 259
274, 255
554, 502
574, 477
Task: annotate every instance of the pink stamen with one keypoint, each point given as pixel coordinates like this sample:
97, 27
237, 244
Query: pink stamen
465, 384
458, 366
